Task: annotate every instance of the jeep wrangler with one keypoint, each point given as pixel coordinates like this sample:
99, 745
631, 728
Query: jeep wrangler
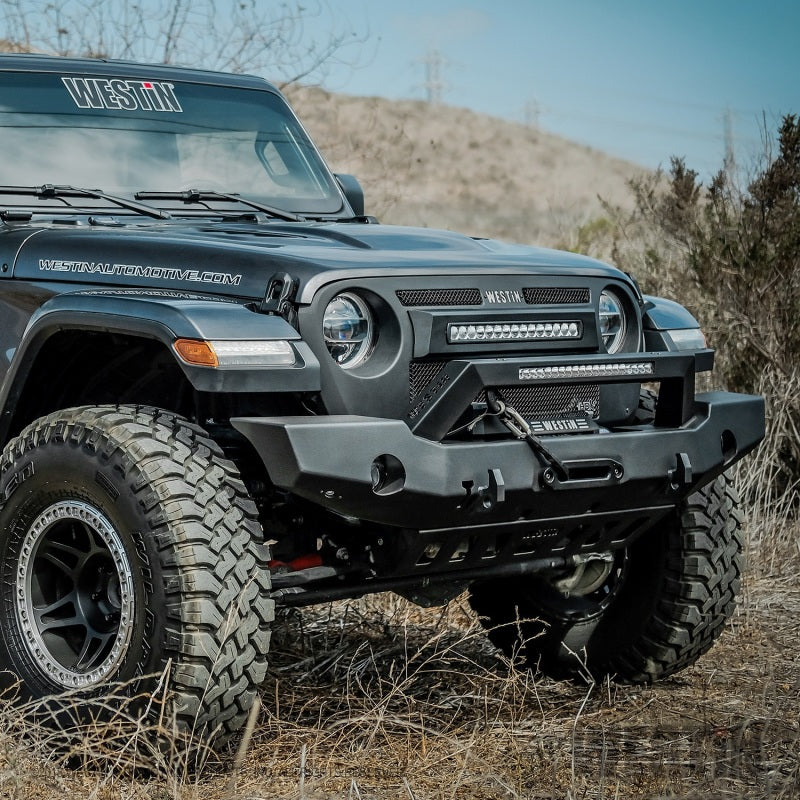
225, 389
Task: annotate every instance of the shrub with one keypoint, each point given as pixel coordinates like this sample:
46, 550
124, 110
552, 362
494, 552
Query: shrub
733, 256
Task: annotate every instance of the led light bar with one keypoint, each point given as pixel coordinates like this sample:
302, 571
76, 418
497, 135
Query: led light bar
458, 332
620, 370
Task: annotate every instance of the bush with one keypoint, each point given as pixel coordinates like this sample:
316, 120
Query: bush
733, 256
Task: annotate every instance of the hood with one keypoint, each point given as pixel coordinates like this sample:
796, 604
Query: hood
237, 259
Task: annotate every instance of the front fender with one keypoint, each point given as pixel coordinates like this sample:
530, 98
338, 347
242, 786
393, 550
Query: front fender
165, 319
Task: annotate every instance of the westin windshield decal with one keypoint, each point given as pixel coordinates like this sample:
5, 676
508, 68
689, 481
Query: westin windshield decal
139, 271
124, 95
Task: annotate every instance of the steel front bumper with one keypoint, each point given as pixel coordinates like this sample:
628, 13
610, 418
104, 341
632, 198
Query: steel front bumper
378, 470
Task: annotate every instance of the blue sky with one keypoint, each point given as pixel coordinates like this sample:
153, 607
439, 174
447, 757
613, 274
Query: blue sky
641, 80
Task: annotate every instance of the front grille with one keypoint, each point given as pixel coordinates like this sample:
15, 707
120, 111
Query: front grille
420, 374
439, 297
551, 402
555, 295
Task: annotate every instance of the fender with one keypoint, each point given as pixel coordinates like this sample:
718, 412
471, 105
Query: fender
663, 315
165, 318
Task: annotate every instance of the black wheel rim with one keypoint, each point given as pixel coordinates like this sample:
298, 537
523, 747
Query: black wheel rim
74, 594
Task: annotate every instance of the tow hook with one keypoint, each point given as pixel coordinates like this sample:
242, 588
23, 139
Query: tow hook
487, 497
681, 476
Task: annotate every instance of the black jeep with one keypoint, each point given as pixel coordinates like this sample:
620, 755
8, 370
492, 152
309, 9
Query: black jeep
225, 388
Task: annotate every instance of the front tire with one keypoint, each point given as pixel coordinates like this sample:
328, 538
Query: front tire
129, 544
661, 605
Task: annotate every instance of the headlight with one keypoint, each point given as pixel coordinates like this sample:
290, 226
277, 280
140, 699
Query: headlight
612, 321
348, 330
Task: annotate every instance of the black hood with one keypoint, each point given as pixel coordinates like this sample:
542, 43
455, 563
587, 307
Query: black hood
237, 259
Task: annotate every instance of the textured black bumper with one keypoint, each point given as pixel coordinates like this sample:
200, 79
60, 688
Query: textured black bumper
457, 485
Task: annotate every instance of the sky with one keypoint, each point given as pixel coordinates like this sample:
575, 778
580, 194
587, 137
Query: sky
642, 80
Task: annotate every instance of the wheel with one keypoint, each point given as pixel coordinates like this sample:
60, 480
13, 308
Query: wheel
639, 615
646, 412
129, 546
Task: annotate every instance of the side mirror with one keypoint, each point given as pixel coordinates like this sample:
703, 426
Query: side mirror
353, 192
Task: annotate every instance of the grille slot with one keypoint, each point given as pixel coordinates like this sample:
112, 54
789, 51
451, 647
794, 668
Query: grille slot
439, 297
555, 295
420, 374
551, 402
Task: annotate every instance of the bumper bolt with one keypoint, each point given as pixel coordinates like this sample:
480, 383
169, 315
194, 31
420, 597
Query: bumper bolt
548, 476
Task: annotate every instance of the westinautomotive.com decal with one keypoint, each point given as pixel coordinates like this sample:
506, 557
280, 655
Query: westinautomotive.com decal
124, 95
139, 271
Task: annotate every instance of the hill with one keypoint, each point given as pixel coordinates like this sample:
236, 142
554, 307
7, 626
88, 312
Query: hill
447, 167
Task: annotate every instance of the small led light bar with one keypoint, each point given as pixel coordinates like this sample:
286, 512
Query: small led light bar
459, 332
620, 370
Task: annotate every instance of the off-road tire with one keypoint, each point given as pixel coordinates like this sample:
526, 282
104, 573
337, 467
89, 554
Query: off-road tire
646, 412
149, 496
666, 601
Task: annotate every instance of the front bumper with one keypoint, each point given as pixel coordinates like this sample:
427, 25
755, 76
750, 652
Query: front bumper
622, 478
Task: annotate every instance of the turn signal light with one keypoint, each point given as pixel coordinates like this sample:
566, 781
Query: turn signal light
196, 352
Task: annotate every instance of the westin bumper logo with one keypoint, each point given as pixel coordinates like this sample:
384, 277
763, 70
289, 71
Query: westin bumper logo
122, 95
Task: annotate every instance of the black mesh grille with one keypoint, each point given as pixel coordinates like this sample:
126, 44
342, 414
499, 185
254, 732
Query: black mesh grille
551, 402
420, 374
554, 295
439, 297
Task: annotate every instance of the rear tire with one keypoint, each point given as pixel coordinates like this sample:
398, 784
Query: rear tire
663, 603
129, 544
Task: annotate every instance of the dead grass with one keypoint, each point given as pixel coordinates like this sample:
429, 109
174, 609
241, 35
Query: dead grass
379, 699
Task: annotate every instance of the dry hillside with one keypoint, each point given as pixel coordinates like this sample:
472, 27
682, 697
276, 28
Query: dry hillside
447, 167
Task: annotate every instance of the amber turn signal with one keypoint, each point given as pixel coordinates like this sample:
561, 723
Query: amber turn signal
197, 352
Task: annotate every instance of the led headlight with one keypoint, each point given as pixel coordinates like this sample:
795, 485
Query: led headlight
348, 329
612, 321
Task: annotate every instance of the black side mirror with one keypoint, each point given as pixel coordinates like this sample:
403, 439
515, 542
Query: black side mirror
352, 192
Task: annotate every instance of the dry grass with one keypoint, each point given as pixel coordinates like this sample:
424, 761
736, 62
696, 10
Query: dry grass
379, 699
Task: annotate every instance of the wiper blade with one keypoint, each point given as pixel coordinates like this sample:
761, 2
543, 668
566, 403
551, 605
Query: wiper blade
48, 190
199, 196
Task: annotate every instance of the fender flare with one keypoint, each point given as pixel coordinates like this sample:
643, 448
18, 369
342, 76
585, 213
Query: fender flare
165, 319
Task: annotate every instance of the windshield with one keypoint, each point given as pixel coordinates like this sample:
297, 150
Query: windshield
123, 136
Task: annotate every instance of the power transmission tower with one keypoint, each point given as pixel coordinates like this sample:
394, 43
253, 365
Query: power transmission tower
434, 85
729, 163
532, 112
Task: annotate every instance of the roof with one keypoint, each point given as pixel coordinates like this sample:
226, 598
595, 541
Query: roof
35, 62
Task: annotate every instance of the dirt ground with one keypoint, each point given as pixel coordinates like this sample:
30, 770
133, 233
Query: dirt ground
378, 699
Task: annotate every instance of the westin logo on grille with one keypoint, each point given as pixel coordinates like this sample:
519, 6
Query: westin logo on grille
503, 296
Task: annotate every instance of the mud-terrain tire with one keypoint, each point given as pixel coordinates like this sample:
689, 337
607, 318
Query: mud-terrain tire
129, 546
663, 604
646, 412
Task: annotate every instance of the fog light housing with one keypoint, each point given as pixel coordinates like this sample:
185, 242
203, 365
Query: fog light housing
388, 475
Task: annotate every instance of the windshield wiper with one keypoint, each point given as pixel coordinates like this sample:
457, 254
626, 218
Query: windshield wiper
199, 196
48, 190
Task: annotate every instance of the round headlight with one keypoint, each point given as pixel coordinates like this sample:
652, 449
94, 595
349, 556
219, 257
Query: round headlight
348, 330
612, 321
